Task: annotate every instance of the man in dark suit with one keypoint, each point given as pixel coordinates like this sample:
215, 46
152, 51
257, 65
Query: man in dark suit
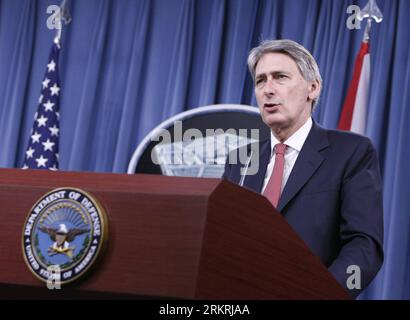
326, 183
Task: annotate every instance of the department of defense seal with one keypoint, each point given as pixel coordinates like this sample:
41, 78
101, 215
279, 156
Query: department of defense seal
67, 228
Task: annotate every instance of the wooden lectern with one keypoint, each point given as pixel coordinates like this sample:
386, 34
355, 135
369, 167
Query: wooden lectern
169, 237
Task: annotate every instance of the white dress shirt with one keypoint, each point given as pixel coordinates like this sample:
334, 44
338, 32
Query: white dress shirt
294, 145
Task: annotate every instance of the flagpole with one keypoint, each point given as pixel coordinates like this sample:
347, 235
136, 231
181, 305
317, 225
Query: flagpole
63, 18
354, 111
372, 12
366, 35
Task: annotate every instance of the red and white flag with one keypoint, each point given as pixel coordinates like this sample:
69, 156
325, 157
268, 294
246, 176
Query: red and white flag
354, 113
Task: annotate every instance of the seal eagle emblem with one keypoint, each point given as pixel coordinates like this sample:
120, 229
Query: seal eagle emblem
66, 228
62, 237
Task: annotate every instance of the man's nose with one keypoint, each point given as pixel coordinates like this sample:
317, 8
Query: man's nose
269, 88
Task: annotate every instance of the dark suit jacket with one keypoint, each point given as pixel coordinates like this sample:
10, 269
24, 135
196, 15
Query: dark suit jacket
332, 199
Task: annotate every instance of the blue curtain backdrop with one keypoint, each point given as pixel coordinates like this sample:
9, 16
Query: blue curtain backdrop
127, 65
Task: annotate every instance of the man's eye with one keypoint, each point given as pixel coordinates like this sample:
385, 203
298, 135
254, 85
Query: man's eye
280, 76
260, 81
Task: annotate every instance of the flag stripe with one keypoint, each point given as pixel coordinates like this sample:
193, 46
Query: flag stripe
360, 107
345, 121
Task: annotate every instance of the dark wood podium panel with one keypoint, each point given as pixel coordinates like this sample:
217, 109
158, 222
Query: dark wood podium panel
169, 237
261, 253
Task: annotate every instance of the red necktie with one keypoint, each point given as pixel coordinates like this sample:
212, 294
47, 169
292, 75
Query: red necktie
273, 188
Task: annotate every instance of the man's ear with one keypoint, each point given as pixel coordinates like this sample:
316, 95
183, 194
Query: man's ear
314, 90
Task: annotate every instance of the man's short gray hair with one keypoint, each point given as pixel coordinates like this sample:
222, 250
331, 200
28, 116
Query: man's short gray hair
304, 60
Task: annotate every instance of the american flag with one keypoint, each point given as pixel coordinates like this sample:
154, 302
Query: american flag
42, 150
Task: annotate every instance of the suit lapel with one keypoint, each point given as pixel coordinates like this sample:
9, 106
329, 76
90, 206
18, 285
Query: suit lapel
255, 182
308, 161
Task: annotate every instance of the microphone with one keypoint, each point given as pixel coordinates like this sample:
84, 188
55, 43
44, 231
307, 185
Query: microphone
246, 169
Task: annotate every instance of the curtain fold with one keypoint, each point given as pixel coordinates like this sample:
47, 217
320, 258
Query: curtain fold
240, 20
211, 55
396, 170
178, 76
20, 39
84, 126
134, 81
